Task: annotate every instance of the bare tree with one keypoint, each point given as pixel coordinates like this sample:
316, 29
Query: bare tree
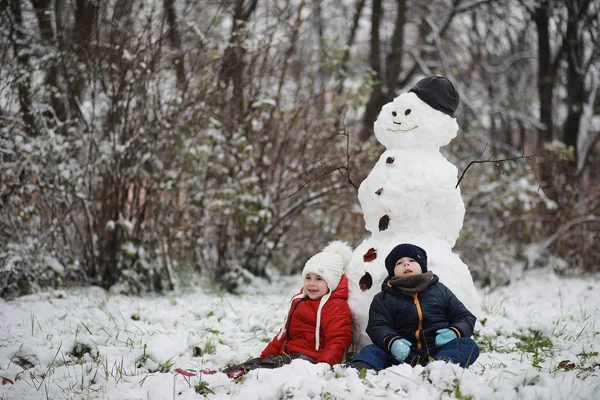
376, 98
342, 72
18, 38
579, 18
233, 64
547, 65
175, 40
83, 29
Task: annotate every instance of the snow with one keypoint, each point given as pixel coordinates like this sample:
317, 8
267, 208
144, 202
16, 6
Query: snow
54, 264
122, 339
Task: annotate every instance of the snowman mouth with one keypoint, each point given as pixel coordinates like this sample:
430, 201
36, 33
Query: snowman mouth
402, 130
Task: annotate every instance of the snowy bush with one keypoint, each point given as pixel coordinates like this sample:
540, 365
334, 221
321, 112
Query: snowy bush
129, 169
520, 216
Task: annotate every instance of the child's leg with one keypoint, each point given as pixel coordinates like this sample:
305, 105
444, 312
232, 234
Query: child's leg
301, 356
274, 361
461, 351
234, 371
372, 355
279, 360
245, 366
270, 362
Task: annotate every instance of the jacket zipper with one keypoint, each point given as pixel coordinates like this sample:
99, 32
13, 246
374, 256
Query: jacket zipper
287, 327
420, 326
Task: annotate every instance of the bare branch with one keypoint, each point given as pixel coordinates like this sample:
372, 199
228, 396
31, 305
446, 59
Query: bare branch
563, 229
341, 169
345, 133
531, 158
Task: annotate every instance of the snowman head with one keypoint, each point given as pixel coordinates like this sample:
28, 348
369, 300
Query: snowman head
420, 119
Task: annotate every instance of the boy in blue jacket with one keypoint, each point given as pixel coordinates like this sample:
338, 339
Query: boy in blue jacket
416, 318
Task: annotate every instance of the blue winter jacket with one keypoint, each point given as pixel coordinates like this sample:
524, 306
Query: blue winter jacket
417, 317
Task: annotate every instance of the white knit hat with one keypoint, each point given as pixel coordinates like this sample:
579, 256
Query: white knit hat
330, 264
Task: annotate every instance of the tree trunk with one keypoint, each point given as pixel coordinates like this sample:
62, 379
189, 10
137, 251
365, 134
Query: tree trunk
24, 84
85, 18
375, 101
393, 63
233, 67
320, 97
588, 137
175, 40
110, 241
223, 268
44, 16
351, 36
545, 84
59, 19
122, 11
576, 72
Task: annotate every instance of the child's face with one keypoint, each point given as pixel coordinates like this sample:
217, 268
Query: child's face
407, 266
315, 286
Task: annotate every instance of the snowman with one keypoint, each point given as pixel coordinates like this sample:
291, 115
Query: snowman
410, 197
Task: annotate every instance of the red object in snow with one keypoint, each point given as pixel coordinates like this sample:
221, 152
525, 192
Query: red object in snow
184, 372
208, 372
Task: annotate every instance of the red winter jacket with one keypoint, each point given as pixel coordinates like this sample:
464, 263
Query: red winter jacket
335, 333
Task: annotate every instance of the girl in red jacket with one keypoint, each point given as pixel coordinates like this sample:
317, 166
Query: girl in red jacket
318, 326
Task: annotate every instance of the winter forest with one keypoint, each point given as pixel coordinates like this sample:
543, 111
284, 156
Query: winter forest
144, 143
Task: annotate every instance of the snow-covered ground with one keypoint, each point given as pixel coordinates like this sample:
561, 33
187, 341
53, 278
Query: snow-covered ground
540, 339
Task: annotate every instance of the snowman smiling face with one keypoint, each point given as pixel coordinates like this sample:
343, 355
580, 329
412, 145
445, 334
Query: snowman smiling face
409, 122
401, 129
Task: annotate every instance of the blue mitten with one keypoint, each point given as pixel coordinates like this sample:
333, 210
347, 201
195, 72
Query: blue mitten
400, 349
444, 336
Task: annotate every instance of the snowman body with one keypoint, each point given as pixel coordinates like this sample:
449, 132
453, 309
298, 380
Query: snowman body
411, 188
409, 197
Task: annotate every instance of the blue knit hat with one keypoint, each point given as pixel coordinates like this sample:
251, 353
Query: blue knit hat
405, 250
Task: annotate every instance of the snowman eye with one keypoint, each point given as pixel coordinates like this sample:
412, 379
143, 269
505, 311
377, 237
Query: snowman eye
407, 112
394, 113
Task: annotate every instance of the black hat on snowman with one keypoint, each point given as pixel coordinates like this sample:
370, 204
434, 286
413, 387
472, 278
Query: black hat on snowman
405, 250
438, 92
